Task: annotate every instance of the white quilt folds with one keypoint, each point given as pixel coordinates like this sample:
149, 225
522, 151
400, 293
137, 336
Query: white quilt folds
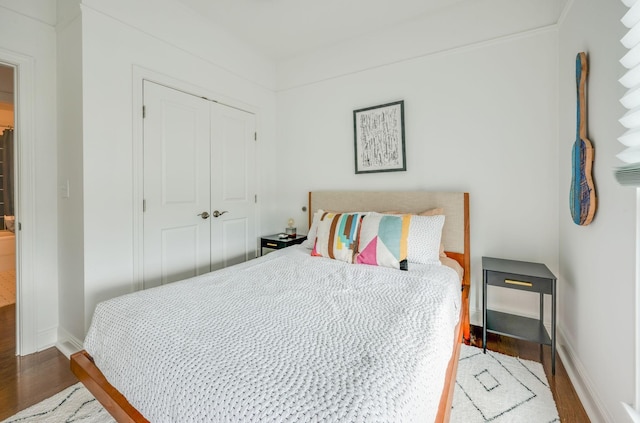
284, 338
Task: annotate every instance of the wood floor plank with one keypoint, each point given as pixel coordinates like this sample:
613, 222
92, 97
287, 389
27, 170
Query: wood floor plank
27, 380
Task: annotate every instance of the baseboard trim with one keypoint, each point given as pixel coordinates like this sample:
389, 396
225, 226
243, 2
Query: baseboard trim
68, 344
581, 381
46, 338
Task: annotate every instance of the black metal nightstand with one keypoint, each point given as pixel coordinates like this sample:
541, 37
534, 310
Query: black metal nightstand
526, 276
274, 242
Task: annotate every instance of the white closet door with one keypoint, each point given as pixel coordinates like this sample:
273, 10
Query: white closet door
233, 180
177, 239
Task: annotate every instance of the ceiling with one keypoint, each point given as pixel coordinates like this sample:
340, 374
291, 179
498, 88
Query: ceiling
281, 29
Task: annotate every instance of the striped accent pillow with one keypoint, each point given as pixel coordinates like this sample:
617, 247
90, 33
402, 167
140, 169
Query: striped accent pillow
337, 236
383, 240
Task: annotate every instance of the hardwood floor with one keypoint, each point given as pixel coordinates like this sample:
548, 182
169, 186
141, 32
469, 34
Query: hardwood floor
570, 408
27, 380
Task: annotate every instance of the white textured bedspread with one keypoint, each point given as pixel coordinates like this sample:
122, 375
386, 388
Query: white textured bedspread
283, 338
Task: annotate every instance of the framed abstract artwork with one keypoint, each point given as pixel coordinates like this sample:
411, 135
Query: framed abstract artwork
379, 138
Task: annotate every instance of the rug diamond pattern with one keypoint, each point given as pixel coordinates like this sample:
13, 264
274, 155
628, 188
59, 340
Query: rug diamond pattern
494, 387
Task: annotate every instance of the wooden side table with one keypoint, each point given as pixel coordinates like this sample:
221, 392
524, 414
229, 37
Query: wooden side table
274, 242
525, 276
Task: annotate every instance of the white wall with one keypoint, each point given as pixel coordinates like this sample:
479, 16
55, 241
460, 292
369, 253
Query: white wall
70, 165
28, 38
479, 119
597, 262
122, 42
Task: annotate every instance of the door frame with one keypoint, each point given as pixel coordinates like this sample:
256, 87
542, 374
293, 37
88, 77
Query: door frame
24, 191
141, 74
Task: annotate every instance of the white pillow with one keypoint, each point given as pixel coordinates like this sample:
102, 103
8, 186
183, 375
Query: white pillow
425, 233
313, 230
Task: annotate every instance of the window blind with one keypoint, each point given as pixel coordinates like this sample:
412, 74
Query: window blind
629, 174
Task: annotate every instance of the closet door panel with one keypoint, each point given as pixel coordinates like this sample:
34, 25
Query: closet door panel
236, 241
177, 189
233, 185
234, 154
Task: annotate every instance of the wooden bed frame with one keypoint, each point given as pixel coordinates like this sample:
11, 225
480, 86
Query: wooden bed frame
455, 234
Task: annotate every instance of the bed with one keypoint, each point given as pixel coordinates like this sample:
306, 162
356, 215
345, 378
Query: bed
290, 336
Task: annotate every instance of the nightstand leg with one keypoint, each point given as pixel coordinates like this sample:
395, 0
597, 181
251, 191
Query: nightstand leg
542, 322
484, 311
553, 329
541, 307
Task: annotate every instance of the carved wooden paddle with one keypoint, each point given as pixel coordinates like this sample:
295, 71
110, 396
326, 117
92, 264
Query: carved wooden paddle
583, 193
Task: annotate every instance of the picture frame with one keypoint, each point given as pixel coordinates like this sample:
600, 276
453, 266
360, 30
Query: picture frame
379, 144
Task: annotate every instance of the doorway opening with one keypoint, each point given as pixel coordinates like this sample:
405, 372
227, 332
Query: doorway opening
7, 210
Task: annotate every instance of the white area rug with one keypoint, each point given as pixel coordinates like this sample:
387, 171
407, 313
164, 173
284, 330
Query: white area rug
74, 404
494, 387
490, 387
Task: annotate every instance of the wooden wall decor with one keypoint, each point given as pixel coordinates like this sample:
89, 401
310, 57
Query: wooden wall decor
583, 193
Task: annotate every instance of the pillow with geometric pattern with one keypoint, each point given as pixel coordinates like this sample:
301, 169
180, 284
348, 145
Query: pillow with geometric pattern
337, 236
419, 253
383, 240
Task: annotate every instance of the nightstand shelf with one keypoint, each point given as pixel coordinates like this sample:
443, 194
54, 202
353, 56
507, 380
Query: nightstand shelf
523, 276
517, 327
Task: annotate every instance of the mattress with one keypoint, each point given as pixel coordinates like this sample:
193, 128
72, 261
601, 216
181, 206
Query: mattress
284, 338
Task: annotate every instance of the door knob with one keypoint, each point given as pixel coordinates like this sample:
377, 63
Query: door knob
216, 213
204, 215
